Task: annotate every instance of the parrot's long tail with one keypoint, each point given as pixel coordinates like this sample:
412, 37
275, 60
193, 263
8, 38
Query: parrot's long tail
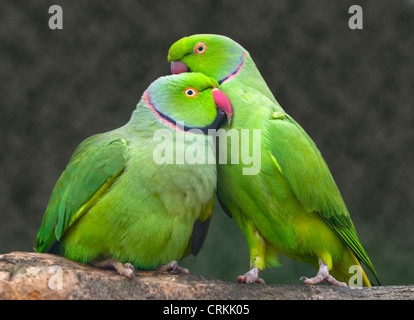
349, 270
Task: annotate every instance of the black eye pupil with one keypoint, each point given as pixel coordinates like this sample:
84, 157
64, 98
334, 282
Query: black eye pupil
190, 92
200, 49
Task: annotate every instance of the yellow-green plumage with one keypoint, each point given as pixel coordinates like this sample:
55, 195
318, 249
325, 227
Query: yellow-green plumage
292, 206
114, 201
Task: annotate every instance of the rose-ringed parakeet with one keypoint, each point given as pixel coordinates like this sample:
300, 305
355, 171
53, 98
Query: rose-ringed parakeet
130, 198
292, 206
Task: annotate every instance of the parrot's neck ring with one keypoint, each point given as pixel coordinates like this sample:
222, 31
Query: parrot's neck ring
177, 126
236, 71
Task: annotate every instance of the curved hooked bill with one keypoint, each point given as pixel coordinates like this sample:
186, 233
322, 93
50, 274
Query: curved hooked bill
223, 103
178, 67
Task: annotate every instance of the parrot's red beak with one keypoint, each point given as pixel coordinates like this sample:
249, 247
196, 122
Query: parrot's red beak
223, 103
178, 67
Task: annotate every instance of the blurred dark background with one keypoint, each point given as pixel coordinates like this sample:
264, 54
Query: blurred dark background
352, 91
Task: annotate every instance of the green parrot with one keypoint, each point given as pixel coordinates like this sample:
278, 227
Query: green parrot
290, 203
141, 196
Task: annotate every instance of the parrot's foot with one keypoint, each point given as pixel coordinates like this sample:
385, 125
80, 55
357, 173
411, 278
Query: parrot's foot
250, 277
124, 269
173, 267
323, 276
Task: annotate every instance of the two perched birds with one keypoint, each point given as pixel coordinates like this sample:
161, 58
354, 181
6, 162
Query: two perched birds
141, 196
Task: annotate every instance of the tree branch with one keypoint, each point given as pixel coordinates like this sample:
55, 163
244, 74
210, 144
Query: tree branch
25, 275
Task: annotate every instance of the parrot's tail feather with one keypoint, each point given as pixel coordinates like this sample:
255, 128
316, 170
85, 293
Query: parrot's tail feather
349, 270
365, 280
348, 235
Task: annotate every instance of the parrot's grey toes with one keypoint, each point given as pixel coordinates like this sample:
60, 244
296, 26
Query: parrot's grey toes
248, 279
129, 271
124, 269
320, 279
323, 276
129, 266
173, 267
309, 281
181, 270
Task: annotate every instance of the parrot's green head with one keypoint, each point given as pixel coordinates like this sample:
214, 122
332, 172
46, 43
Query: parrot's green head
188, 101
216, 56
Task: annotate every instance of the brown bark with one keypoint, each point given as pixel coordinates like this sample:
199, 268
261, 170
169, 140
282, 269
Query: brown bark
26, 275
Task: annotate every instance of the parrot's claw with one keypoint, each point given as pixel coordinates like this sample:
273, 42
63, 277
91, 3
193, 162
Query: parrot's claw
124, 269
173, 267
129, 270
250, 277
323, 276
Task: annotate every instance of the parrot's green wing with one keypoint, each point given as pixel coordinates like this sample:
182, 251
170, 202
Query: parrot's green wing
93, 167
300, 162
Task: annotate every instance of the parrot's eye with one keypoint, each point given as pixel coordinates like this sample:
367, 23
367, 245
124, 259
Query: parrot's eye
190, 92
200, 48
